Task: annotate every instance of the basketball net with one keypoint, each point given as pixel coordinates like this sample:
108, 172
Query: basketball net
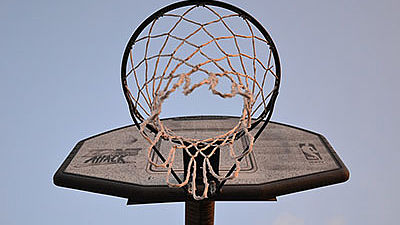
243, 84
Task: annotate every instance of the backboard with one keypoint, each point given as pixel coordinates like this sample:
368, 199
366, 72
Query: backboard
285, 160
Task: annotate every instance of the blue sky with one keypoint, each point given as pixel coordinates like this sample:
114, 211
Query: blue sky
59, 71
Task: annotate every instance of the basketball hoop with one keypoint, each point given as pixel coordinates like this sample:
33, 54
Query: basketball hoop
163, 57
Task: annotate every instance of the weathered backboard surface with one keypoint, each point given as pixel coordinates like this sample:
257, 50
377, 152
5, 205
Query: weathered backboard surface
285, 159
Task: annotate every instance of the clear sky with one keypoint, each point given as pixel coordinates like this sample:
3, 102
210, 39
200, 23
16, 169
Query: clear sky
59, 83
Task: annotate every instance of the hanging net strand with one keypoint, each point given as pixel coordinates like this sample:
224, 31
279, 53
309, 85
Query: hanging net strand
158, 73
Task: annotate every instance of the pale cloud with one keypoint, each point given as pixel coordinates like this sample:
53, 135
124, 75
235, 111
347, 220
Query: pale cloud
288, 219
338, 220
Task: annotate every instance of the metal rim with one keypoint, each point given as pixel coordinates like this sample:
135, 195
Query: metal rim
266, 114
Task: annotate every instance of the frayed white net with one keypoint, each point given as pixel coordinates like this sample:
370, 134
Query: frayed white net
192, 53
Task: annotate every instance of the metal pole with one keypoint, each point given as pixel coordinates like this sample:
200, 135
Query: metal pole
199, 212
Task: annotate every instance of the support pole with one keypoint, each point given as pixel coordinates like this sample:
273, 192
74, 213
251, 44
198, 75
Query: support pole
199, 212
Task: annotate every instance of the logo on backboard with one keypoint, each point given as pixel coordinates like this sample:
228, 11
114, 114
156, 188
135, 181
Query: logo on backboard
109, 156
310, 152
